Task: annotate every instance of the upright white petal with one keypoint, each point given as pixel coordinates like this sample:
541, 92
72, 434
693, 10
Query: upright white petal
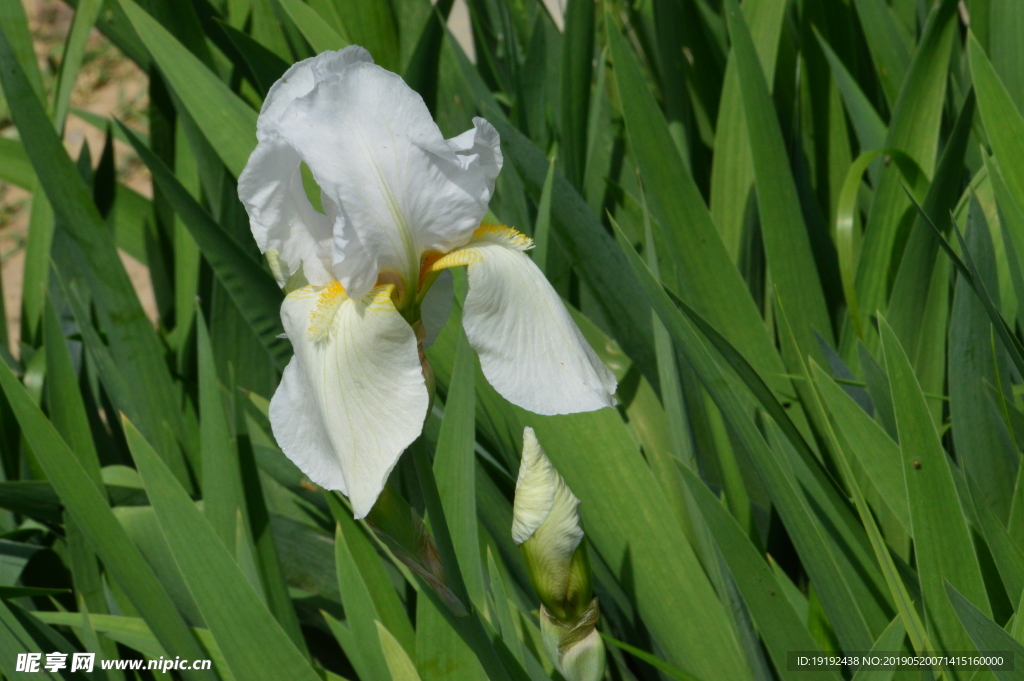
400, 187
530, 349
270, 186
280, 214
299, 79
353, 396
480, 145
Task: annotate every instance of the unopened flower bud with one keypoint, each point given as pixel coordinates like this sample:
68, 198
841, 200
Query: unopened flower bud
546, 525
575, 648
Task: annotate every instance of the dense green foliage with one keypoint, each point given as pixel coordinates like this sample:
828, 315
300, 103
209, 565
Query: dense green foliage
794, 229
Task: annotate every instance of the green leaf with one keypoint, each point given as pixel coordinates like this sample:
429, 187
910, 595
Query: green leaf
577, 73
839, 575
897, 588
221, 474
869, 126
38, 249
889, 44
441, 654
363, 646
542, 228
264, 66
942, 540
1008, 557
386, 606
661, 665
35, 499
8, 592
63, 399
136, 634
319, 33
983, 442
372, 24
399, 664
1005, 20
707, 279
1004, 124
889, 640
112, 374
878, 456
779, 625
969, 274
89, 252
455, 468
732, 171
253, 643
915, 282
914, 128
86, 13
786, 241
226, 121
506, 616
18, 636
122, 560
986, 634
15, 166
847, 232
252, 289
14, 25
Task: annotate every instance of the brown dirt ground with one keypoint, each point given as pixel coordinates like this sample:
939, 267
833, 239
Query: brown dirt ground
108, 85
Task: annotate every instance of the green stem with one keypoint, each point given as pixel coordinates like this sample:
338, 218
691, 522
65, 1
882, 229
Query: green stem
470, 627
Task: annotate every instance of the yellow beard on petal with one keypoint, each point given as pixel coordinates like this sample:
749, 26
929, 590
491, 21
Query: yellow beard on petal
486, 232
320, 319
502, 234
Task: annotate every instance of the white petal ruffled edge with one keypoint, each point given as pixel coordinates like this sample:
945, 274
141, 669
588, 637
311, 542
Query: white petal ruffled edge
529, 347
299, 79
353, 397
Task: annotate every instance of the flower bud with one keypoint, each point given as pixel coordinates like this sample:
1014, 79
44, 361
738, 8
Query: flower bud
576, 649
546, 525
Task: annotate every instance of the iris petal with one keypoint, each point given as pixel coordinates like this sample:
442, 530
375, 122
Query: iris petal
530, 349
353, 397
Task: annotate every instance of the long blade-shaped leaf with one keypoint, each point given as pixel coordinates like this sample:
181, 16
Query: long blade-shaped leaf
252, 289
253, 643
226, 121
779, 625
87, 504
706, 277
942, 540
987, 636
786, 242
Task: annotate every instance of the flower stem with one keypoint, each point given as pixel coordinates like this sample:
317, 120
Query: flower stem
470, 627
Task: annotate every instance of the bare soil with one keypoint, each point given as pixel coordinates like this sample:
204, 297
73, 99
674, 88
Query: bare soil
108, 85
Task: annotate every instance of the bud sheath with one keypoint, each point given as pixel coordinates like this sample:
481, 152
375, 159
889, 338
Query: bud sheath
546, 525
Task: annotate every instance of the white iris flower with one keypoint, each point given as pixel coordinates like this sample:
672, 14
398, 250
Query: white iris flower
400, 205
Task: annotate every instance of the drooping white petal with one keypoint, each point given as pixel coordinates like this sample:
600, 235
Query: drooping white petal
530, 349
299, 79
280, 214
400, 187
353, 397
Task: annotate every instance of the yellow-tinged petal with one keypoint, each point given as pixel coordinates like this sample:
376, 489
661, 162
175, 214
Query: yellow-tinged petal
353, 397
530, 349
